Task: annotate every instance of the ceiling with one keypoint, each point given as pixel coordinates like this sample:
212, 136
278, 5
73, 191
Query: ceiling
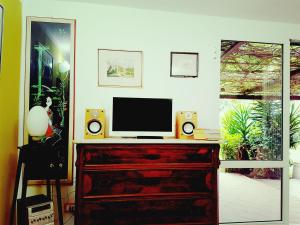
271, 10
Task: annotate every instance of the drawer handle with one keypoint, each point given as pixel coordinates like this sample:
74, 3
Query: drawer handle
152, 156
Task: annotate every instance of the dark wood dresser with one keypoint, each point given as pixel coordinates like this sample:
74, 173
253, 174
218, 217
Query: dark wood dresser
147, 183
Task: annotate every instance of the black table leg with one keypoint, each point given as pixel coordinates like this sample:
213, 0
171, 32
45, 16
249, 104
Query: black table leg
25, 182
48, 189
58, 193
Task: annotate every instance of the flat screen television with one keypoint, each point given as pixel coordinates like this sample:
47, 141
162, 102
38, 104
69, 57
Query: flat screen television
141, 117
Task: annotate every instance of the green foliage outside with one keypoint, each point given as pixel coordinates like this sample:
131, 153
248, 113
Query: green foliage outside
230, 145
254, 131
237, 121
294, 126
267, 144
236, 127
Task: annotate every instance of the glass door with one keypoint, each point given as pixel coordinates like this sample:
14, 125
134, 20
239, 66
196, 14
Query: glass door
253, 167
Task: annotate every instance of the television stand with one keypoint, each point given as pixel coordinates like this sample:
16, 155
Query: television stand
149, 137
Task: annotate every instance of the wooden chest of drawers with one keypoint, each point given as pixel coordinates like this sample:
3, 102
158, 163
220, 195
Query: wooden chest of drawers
139, 184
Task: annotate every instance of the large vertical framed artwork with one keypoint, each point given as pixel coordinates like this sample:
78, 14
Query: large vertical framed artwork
49, 82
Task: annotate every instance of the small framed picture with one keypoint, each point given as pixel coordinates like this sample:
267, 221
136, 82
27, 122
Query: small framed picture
120, 68
184, 64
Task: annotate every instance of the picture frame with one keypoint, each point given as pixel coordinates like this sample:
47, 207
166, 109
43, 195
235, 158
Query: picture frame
1, 32
49, 82
120, 68
184, 64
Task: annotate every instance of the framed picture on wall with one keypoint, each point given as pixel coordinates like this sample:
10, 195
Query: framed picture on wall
49, 82
1, 32
184, 64
120, 68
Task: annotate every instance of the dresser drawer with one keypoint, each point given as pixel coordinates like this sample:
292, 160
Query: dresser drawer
144, 154
148, 211
128, 182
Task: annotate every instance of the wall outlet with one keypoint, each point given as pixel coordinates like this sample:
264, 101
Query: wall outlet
69, 207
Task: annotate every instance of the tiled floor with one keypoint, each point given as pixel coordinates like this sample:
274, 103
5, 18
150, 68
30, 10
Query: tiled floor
295, 201
246, 199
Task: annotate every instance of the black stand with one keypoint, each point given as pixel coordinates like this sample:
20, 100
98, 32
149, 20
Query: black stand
149, 137
25, 156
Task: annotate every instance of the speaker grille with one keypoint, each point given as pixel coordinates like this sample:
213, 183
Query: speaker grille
188, 128
94, 126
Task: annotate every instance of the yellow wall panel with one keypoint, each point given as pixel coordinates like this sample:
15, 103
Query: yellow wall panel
9, 103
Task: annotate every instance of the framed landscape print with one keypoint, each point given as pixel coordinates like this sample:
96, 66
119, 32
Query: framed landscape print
49, 82
184, 64
120, 68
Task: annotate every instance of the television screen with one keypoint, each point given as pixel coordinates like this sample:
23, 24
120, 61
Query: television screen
142, 114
